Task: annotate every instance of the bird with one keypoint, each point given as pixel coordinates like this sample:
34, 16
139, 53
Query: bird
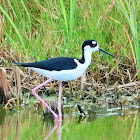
63, 69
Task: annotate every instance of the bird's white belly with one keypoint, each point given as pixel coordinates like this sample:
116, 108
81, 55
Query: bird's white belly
63, 75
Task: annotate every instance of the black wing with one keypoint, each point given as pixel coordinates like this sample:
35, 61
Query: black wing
58, 64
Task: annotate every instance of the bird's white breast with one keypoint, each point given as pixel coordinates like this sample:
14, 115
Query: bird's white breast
64, 75
67, 75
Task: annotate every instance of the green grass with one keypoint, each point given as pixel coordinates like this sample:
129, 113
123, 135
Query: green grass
43, 29
12, 24
129, 11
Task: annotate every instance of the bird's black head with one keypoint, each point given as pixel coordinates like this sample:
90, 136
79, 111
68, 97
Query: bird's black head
91, 43
92, 46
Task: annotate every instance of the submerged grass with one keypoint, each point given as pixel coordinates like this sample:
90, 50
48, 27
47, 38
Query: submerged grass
106, 128
137, 130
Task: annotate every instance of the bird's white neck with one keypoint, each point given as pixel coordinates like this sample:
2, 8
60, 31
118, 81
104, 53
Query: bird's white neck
87, 56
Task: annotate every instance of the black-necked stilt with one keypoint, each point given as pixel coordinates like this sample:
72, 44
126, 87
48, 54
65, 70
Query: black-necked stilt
63, 69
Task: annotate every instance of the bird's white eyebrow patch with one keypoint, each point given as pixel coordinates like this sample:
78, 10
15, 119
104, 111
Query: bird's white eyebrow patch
94, 42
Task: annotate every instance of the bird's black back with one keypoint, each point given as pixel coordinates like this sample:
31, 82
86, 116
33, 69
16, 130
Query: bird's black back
58, 64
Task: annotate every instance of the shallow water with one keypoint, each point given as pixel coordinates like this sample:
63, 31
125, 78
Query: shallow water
28, 124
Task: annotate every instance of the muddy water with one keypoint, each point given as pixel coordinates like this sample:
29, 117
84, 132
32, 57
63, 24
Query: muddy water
28, 124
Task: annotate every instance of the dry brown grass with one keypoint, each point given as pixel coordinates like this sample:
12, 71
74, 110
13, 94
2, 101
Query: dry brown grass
98, 80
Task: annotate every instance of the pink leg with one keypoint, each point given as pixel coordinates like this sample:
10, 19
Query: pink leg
59, 130
50, 133
59, 101
39, 98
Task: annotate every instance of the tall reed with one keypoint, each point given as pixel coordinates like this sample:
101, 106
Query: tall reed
12, 24
64, 14
72, 13
129, 11
69, 17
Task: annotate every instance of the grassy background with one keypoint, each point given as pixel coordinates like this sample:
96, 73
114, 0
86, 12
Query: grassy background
40, 29
33, 30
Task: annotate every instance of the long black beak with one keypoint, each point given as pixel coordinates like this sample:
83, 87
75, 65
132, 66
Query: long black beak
106, 52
